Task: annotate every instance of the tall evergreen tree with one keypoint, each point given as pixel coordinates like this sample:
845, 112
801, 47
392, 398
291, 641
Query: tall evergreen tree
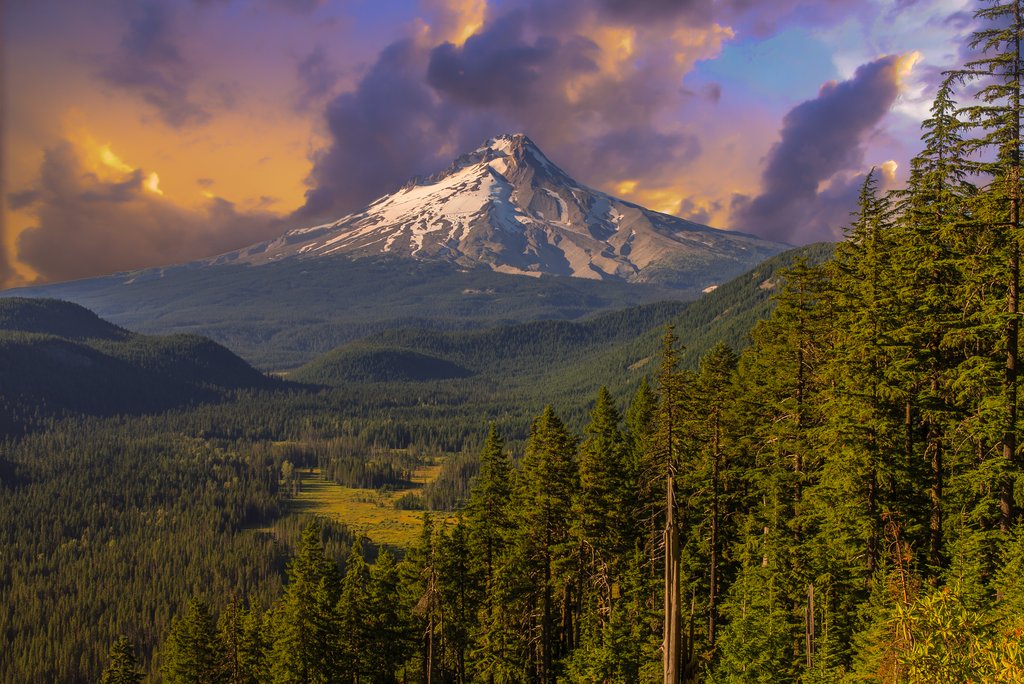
542, 502
997, 117
191, 654
306, 631
601, 523
123, 667
928, 241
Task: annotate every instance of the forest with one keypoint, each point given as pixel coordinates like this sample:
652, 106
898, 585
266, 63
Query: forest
840, 500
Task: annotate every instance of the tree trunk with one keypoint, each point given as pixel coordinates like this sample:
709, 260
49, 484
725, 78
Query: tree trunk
671, 644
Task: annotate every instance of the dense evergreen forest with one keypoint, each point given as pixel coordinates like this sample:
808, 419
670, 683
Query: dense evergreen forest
839, 501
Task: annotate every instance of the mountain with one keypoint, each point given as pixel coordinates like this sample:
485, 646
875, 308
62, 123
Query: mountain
445, 253
57, 356
508, 207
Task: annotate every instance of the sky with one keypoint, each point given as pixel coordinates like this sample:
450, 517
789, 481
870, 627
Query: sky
142, 133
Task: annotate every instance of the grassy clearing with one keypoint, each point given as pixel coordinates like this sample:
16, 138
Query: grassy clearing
365, 511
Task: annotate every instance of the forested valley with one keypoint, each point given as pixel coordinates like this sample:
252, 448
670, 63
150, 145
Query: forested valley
838, 501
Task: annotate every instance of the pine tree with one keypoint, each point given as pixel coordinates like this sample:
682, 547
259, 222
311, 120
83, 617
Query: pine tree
306, 632
192, 652
708, 436
487, 509
928, 242
122, 668
542, 503
390, 637
356, 649
601, 523
675, 654
997, 117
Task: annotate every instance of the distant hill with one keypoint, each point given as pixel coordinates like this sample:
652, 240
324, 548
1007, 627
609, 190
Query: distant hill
56, 317
284, 314
371, 363
57, 356
571, 358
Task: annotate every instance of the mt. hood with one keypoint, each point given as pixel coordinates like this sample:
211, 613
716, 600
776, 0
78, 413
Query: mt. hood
506, 206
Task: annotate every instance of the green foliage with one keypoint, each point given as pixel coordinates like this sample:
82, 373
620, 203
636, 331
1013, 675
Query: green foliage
123, 668
190, 654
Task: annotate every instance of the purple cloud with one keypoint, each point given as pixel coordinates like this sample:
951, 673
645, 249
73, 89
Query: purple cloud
149, 63
820, 138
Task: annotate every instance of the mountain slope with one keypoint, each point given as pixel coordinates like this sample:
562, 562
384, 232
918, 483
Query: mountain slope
55, 317
575, 357
57, 356
507, 206
285, 313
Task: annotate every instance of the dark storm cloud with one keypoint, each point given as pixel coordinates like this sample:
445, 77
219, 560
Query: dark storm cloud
86, 226
149, 63
819, 138
419, 106
530, 68
500, 67
389, 128
317, 77
640, 152
657, 10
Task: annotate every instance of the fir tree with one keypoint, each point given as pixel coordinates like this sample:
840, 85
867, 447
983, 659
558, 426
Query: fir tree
191, 654
542, 502
306, 632
122, 668
997, 116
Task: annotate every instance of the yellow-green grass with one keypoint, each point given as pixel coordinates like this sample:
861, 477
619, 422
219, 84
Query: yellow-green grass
365, 511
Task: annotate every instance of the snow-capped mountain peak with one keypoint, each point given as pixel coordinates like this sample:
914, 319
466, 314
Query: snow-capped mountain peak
507, 206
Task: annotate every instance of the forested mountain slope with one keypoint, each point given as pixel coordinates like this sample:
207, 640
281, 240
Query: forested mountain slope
57, 356
612, 349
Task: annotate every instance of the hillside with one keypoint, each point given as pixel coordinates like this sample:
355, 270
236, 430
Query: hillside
56, 356
284, 314
561, 361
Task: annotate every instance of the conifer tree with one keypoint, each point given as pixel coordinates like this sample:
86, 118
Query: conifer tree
122, 668
356, 649
391, 640
601, 524
487, 508
708, 435
542, 503
459, 600
421, 586
929, 241
997, 116
191, 654
306, 630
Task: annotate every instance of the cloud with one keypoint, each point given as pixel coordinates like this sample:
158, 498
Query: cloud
317, 77
149, 63
389, 128
92, 223
501, 67
591, 92
820, 138
658, 10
